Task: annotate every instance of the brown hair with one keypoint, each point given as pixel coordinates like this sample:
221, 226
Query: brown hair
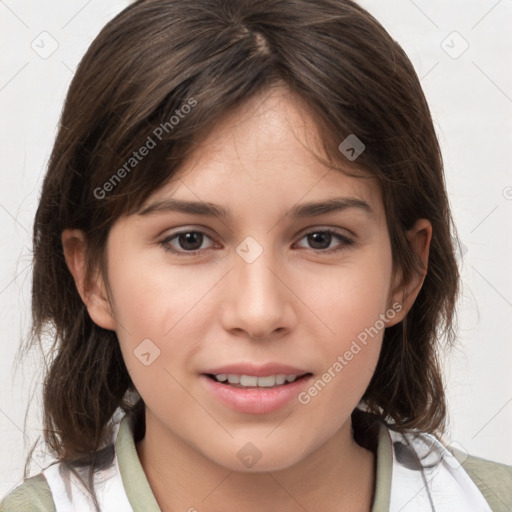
149, 61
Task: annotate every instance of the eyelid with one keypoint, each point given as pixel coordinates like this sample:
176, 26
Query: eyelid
343, 232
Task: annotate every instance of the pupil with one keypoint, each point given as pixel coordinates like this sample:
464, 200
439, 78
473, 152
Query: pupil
191, 241
319, 238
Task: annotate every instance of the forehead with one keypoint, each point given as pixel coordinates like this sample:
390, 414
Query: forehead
266, 152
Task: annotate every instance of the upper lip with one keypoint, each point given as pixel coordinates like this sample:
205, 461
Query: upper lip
256, 370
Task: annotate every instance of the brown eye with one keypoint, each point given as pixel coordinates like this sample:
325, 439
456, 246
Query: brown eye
185, 242
191, 241
321, 240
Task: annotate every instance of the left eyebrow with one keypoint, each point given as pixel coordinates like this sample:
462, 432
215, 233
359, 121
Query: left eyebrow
331, 205
312, 209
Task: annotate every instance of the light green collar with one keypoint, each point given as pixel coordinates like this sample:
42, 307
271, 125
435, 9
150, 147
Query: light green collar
135, 482
384, 471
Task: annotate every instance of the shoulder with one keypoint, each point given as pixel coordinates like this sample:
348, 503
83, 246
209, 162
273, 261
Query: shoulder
492, 478
33, 495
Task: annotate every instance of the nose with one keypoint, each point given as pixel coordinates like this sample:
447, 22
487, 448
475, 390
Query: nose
258, 301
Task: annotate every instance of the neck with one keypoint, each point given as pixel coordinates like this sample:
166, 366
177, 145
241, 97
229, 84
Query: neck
339, 475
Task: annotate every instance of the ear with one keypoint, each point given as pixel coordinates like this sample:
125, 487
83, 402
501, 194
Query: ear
93, 293
405, 293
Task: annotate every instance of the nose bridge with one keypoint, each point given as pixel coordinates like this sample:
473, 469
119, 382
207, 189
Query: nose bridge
256, 279
257, 300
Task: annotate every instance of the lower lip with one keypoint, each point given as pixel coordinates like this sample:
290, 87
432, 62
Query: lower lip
255, 400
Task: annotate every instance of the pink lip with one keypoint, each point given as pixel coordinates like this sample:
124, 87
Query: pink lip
254, 400
256, 370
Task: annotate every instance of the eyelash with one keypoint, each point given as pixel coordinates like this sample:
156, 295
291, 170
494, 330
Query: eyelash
346, 242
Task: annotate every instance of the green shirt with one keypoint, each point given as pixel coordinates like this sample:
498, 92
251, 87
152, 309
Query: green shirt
493, 479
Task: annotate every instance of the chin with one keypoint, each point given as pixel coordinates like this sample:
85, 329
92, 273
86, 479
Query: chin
249, 459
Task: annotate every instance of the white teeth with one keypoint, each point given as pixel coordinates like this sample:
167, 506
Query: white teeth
264, 382
253, 381
234, 379
280, 379
246, 380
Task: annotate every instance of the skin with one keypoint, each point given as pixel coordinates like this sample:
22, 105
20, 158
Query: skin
297, 303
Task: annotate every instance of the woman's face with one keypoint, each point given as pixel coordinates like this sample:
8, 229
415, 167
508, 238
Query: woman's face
273, 287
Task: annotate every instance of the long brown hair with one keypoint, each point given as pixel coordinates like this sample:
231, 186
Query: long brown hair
147, 63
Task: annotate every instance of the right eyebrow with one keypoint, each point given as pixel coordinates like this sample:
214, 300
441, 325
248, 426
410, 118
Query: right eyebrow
192, 207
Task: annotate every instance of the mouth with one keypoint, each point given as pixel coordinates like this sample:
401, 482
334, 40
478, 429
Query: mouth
255, 382
252, 394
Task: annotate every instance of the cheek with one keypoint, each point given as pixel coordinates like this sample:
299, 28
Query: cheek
160, 312
353, 312
152, 298
350, 298
351, 302
151, 313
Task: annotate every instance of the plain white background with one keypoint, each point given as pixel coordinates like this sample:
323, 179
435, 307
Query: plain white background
461, 51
